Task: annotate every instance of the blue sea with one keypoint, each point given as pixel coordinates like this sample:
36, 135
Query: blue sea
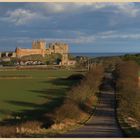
93, 55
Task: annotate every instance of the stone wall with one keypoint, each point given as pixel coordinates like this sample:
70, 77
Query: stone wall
24, 52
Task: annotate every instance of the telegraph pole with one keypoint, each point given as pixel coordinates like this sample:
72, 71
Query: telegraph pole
88, 64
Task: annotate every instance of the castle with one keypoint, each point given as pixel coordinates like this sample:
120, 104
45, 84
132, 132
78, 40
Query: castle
39, 47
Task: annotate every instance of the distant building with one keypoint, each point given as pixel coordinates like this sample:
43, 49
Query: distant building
6, 59
7, 54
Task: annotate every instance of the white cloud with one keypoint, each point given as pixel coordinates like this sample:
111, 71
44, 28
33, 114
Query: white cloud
33, 11
87, 39
55, 8
118, 35
128, 9
78, 40
20, 16
81, 39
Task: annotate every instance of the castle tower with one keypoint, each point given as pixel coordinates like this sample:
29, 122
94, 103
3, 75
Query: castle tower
64, 59
39, 44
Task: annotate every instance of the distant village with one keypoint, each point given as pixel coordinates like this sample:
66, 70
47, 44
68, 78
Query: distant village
56, 51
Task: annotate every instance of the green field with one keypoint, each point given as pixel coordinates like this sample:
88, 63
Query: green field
39, 88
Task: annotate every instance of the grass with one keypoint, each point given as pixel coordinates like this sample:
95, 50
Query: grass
127, 130
45, 87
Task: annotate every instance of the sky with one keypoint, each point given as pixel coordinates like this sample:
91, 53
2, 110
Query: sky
85, 27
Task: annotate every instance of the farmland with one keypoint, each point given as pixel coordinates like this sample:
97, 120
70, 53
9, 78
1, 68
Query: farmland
25, 90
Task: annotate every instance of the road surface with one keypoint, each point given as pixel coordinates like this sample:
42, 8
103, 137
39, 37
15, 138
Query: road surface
103, 123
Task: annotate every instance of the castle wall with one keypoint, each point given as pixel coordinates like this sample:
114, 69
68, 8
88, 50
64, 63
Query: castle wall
25, 52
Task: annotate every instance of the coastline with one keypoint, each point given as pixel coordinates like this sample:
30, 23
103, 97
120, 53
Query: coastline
102, 54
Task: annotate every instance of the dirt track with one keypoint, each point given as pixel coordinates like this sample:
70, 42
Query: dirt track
103, 123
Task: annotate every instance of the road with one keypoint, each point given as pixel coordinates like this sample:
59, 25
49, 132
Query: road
103, 123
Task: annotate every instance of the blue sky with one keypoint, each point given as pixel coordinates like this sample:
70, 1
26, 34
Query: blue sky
86, 27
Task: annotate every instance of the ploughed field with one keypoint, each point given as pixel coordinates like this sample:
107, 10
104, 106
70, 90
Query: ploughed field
25, 90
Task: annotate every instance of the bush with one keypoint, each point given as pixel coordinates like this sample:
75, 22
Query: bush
89, 104
76, 77
8, 131
29, 127
80, 93
78, 98
94, 77
69, 110
127, 88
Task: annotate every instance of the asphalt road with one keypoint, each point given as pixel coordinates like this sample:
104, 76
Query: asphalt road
103, 123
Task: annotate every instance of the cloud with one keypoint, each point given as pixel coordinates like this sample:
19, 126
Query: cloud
20, 16
89, 39
32, 11
129, 9
16, 40
81, 39
78, 40
118, 35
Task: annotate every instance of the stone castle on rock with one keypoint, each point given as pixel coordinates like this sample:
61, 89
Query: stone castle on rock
39, 48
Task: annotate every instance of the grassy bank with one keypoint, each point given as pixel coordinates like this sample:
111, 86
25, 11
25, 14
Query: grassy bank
80, 102
128, 126
48, 103
128, 96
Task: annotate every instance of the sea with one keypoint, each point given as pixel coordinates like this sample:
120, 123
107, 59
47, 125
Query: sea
94, 55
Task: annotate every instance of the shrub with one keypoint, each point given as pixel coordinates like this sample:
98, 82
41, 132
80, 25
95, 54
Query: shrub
69, 110
78, 98
29, 127
8, 131
88, 86
88, 105
76, 77
127, 88
94, 77
80, 93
